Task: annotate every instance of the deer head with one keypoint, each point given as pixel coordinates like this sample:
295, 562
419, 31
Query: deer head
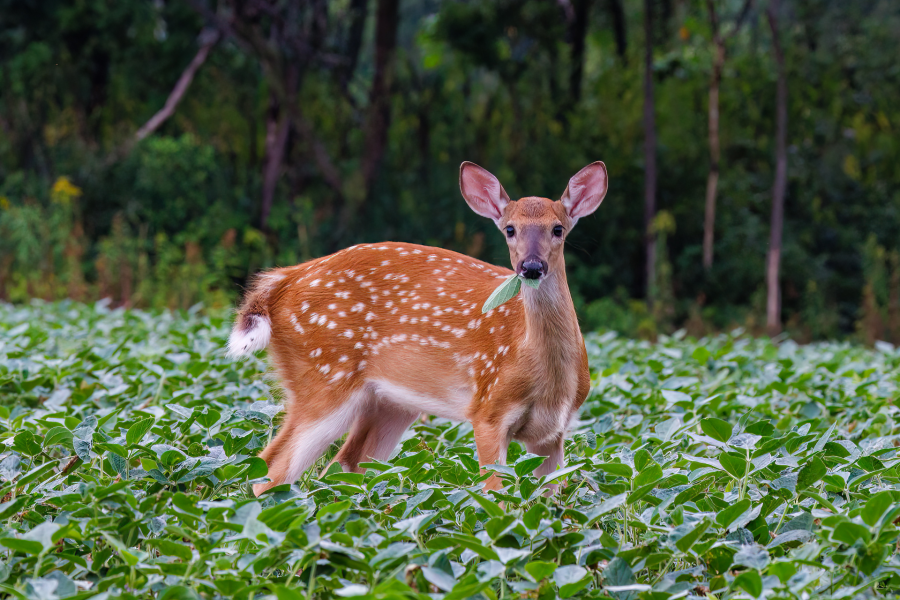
535, 228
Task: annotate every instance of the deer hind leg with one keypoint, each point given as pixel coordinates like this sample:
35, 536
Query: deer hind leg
492, 443
553, 450
307, 432
374, 434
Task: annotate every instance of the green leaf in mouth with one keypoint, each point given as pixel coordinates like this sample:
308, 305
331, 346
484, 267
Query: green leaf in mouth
506, 290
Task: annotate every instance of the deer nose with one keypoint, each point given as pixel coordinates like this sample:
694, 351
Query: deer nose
532, 268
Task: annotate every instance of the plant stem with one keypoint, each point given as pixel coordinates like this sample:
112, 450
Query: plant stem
787, 507
312, 581
663, 572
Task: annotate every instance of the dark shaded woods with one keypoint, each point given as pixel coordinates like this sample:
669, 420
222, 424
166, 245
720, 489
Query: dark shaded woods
158, 153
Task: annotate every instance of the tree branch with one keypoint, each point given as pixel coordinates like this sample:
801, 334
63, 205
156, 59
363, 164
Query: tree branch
208, 39
739, 22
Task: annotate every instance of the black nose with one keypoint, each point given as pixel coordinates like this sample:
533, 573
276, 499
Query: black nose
532, 268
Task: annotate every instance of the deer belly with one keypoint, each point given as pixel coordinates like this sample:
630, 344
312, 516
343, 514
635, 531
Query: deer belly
426, 396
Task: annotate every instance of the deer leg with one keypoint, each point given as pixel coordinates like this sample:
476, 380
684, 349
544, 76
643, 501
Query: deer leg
492, 443
553, 450
305, 435
374, 434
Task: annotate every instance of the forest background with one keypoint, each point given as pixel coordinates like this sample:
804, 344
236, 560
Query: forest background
160, 152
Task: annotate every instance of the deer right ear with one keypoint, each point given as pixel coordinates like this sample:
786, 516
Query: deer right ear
482, 191
585, 191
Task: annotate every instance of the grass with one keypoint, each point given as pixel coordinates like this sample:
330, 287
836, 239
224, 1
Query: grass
726, 467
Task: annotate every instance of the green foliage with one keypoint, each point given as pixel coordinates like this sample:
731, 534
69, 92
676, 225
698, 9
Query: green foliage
726, 465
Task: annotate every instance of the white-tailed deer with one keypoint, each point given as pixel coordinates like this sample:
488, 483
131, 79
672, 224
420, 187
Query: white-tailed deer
367, 339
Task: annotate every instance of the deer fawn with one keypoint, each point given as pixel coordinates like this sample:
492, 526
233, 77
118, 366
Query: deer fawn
367, 339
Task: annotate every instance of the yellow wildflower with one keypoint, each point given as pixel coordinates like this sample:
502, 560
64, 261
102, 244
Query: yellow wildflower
64, 191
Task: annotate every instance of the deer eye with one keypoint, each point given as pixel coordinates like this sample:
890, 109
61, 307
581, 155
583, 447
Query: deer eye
510, 231
558, 231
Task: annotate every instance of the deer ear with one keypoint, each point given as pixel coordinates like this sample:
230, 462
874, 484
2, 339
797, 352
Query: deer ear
482, 191
585, 191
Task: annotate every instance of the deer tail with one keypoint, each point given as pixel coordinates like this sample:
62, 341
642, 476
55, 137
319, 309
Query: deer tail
252, 328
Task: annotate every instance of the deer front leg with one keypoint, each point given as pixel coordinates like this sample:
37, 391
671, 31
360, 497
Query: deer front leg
492, 444
553, 450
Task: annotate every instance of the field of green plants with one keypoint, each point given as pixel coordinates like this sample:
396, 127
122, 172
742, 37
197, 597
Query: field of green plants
727, 467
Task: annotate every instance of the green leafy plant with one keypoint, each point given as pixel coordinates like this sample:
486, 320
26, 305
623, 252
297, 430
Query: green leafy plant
726, 466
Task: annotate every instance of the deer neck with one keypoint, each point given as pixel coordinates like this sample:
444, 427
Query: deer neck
551, 325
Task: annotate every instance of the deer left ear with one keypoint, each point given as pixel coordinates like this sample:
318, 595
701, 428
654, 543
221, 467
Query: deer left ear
585, 191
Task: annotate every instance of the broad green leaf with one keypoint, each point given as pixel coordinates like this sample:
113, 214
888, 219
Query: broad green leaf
21, 545
178, 592
750, 582
650, 474
506, 290
208, 417
525, 466
171, 548
540, 569
717, 429
137, 431
642, 458
439, 578
728, 515
689, 538
753, 556
605, 507
850, 533
734, 465
58, 436
811, 473
570, 579
617, 469
560, 473
490, 507
876, 506
700, 354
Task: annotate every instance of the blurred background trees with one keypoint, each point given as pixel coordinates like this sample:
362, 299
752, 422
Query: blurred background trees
158, 152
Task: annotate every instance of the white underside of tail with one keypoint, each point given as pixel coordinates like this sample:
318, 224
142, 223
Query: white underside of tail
244, 341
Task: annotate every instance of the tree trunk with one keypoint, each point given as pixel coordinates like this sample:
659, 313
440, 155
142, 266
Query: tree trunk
278, 125
579, 32
773, 300
718, 66
712, 180
620, 30
387, 17
358, 13
649, 151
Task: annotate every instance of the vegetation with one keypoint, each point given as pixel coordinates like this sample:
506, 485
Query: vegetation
726, 466
158, 153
